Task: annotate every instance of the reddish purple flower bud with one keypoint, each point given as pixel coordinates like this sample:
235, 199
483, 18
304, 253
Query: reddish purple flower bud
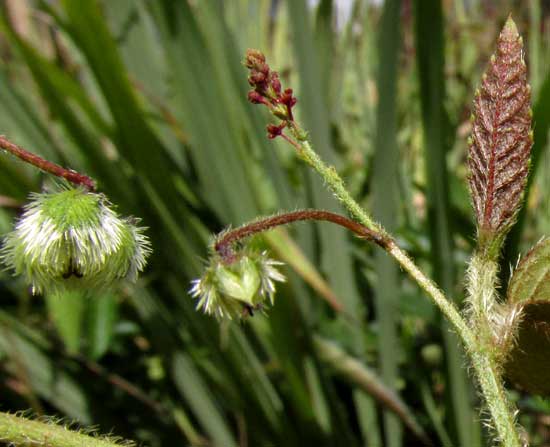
253, 58
264, 69
256, 98
276, 83
274, 131
287, 99
267, 90
257, 78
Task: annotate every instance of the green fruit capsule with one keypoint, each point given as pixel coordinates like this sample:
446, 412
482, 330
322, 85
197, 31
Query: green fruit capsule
73, 238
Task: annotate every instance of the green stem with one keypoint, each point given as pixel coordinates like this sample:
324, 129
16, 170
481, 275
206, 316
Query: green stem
336, 185
18, 430
482, 282
482, 277
492, 388
446, 306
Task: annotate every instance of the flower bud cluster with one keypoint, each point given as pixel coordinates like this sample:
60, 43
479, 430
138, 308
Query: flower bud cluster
267, 90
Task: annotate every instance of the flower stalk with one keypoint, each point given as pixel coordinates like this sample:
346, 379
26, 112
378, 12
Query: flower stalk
48, 166
225, 241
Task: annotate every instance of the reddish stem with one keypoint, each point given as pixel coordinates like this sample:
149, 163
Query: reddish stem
47, 166
291, 141
290, 114
223, 245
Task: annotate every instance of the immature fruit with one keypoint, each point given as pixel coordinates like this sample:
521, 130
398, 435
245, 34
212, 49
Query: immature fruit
229, 291
73, 238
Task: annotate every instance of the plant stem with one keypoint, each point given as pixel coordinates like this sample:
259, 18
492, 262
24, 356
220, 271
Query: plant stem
483, 359
446, 306
47, 166
17, 430
226, 239
493, 391
482, 280
336, 185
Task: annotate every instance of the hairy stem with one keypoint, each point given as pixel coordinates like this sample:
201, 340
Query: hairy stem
492, 389
496, 184
483, 360
482, 282
18, 430
336, 185
445, 305
47, 166
223, 244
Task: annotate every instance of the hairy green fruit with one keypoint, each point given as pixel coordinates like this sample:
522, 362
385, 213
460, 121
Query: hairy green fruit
73, 239
229, 290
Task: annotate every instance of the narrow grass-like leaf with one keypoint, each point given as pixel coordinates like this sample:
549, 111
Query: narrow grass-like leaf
435, 414
133, 135
335, 253
198, 96
291, 254
101, 318
368, 380
57, 87
535, 50
324, 39
313, 109
190, 384
385, 204
431, 65
42, 373
67, 313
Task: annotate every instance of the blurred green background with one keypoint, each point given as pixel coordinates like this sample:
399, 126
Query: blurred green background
149, 98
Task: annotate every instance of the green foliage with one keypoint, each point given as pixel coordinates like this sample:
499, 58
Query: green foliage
149, 98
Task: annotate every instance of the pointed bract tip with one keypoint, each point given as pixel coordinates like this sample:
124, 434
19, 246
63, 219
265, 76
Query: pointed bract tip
510, 29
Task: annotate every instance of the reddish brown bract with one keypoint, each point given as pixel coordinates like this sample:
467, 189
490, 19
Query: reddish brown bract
501, 138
